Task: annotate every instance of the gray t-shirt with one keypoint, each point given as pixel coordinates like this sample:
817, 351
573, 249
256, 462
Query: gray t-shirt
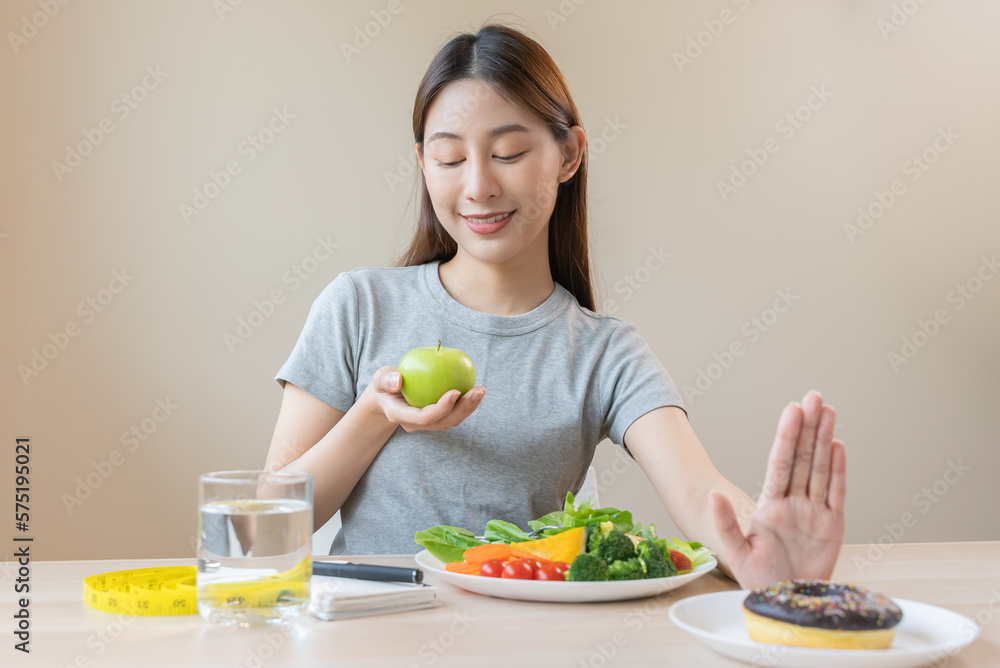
559, 379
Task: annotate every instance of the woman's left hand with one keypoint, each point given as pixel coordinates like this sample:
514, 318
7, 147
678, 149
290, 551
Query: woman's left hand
798, 525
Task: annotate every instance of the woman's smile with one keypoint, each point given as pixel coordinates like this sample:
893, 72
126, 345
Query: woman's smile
488, 225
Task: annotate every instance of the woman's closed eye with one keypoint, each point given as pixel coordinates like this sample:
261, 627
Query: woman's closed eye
498, 157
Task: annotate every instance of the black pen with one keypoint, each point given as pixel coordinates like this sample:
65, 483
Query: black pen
345, 569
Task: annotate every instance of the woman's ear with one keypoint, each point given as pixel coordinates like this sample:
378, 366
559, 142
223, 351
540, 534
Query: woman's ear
573, 150
420, 156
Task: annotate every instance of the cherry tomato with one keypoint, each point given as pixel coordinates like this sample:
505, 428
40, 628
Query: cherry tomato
519, 569
549, 571
561, 566
680, 560
493, 568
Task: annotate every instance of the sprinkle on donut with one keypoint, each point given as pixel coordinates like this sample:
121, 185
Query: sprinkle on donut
824, 604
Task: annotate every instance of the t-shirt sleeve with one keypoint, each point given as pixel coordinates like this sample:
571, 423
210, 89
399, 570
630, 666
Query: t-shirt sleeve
324, 361
633, 382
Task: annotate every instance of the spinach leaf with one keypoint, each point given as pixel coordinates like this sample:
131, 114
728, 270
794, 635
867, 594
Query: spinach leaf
446, 543
498, 531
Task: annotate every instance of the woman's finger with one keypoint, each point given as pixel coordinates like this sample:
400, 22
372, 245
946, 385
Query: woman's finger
734, 543
812, 407
462, 409
838, 477
428, 415
779, 462
387, 379
820, 478
409, 416
451, 409
469, 402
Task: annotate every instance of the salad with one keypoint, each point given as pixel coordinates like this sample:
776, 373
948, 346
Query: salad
579, 544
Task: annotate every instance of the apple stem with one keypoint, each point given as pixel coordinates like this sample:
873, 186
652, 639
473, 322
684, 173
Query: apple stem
439, 345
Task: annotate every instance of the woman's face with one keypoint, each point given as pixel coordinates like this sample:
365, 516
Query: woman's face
484, 156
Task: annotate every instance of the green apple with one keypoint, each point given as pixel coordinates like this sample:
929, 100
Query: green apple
428, 373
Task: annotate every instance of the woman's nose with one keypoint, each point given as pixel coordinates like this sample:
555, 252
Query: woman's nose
481, 181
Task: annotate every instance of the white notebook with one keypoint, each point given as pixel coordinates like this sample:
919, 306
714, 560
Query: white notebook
336, 598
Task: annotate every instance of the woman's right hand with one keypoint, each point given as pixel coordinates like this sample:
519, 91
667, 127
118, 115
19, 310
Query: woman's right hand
445, 414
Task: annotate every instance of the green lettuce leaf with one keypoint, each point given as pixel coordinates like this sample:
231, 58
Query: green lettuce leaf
693, 550
572, 516
553, 518
498, 531
446, 543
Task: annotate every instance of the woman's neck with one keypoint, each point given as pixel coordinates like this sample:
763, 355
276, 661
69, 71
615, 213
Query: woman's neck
511, 288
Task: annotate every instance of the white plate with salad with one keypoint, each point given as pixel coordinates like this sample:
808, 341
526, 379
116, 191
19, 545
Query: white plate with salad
563, 592
447, 547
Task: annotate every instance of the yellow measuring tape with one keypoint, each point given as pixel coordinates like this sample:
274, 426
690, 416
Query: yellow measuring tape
172, 590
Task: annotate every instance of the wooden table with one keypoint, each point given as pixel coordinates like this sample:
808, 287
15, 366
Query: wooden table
470, 630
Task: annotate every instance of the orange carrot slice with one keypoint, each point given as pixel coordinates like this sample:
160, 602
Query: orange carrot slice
463, 567
482, 553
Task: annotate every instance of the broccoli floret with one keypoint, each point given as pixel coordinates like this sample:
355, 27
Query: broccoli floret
607, 542
587, 568
615, 546
595, 532
658, 565
629, 569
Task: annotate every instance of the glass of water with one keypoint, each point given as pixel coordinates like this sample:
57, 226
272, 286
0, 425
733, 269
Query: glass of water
254, 546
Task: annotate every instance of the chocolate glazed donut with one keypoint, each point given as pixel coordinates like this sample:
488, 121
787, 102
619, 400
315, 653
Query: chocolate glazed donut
819, 613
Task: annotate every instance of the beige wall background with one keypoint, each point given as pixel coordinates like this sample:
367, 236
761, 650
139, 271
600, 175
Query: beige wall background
116, 304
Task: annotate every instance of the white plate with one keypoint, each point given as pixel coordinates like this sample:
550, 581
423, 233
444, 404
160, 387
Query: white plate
926, 633
562, 592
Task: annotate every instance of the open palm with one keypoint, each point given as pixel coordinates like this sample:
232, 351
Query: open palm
798, 525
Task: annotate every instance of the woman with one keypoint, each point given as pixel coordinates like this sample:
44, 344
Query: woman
499, 268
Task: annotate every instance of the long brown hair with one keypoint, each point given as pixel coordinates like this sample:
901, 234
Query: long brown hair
522, 72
